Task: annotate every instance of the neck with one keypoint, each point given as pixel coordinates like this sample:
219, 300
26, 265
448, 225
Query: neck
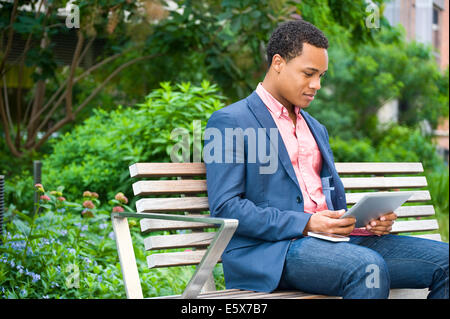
272, 89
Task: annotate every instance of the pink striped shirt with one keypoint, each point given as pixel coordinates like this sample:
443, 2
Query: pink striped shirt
303, 152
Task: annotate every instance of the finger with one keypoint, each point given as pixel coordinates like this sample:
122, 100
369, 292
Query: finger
344, 222
333, 213
376, 223
344, 231
389, 216
380, 230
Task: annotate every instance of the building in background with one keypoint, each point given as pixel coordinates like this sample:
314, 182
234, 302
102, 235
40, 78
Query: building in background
425, 21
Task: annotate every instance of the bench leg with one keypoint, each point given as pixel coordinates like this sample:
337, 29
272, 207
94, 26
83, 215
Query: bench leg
209, 260
127, 258
209, 285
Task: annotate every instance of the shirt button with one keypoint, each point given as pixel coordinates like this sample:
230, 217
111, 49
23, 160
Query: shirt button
299, 200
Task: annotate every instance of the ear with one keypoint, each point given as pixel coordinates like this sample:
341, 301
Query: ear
277, 63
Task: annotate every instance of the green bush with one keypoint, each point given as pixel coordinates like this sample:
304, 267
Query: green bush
67, 249
97, 153
352, 150
438, 184
395, 144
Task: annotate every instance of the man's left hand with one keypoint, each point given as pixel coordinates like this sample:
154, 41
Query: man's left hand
382, 225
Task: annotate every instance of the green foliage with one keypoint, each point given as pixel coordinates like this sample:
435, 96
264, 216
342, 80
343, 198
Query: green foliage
395, 144
438, 184
401, 143
352, 151
362, 79
57, 251
97, 153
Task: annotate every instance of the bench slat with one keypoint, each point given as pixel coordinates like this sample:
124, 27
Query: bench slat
379, 168
182, 258
149, 225
184, 186
167, 169
152, 205
418, 196
149, 205
198, 169
163, 187
178, 241
414, 226
415, 211
248, 294
383, 182
185, 258
430, 236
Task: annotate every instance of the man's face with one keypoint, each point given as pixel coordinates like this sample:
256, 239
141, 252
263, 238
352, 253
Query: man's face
299, 79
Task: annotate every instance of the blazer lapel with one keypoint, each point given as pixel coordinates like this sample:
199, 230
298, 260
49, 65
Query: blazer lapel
319, 140
266, 121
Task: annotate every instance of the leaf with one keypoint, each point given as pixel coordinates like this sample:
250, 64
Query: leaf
22, 227
71, 204
24, 216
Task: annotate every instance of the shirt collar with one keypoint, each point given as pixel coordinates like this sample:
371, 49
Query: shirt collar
272, 103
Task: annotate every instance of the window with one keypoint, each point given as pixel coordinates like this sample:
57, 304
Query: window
435, 27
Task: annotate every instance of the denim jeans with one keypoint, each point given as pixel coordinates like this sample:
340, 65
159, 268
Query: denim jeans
366, 266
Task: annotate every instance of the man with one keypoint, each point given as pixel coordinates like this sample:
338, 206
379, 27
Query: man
277, 207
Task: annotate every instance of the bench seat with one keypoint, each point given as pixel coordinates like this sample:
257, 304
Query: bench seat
173, 204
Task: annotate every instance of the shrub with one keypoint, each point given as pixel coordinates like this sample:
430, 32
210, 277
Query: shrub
60, 251
97, 153
395, 144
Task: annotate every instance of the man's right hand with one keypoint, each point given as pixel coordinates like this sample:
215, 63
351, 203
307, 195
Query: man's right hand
328, 221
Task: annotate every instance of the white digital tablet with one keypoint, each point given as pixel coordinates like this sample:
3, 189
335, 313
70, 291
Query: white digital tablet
374, 205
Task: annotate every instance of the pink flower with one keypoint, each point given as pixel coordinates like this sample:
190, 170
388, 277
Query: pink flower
94, 194
118, 209
45, 197
88, 204
121, 198
61, 199
40, 187
87, 194
87, 213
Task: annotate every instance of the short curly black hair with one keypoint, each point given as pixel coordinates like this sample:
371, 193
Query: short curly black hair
288, 38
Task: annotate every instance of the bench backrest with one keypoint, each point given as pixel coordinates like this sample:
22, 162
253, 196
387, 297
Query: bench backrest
181, 188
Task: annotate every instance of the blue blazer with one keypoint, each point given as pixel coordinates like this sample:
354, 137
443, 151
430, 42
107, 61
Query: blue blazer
269, 207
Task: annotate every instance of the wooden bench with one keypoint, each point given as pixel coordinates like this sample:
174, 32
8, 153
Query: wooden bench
178, 204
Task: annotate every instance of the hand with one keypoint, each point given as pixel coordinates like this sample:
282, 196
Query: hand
382, 225
328, 221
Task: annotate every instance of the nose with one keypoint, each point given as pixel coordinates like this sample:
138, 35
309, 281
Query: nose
315, 83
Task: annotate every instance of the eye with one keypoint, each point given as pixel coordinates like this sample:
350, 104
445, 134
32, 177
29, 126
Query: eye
308, 74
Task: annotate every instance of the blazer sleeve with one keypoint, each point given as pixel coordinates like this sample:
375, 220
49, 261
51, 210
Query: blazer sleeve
226, 189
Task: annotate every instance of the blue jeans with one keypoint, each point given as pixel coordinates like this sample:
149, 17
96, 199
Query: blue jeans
366, 266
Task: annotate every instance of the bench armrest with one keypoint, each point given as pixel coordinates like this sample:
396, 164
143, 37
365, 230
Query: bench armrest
209, 260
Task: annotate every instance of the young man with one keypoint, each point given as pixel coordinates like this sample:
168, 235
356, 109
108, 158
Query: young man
272, 168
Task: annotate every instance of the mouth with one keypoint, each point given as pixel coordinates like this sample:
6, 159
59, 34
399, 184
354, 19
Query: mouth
309, 96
